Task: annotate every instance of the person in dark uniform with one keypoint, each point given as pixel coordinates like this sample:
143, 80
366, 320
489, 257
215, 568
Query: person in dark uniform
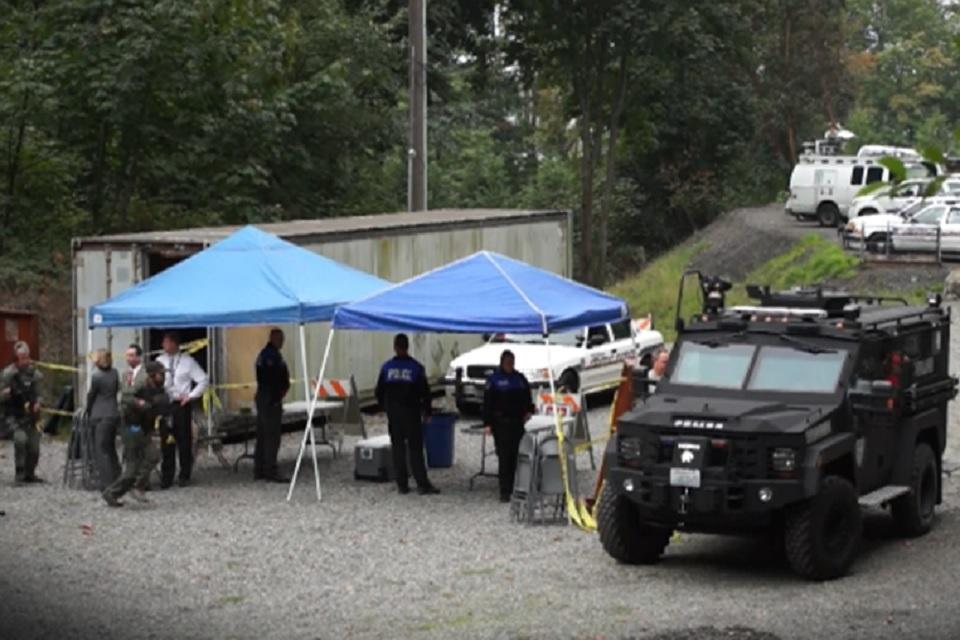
507, 405
403, 392
273, 382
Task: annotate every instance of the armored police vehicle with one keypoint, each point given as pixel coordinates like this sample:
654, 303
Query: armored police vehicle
785, 416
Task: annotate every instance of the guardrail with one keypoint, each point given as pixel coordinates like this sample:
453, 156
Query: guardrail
887, 254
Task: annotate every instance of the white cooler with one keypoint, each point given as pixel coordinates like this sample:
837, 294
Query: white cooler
373, 459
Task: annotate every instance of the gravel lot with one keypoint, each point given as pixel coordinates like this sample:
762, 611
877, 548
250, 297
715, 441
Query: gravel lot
228, 558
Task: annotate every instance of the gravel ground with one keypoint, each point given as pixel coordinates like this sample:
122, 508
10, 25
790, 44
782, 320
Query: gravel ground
228, 558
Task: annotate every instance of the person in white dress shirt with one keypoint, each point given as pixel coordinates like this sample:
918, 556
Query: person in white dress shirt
185, 382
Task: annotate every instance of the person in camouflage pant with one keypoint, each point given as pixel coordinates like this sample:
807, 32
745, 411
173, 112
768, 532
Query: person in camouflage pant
141, 407
20, 395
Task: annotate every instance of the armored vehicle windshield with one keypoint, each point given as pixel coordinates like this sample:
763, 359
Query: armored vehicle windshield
759, 367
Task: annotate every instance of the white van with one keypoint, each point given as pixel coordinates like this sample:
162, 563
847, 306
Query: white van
822, 187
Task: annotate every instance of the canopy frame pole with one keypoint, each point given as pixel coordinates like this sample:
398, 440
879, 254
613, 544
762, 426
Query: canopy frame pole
308, 431
558, 426
88, 359
302, 332
211, 374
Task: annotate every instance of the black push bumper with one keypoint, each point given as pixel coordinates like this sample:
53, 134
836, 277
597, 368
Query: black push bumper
719, 503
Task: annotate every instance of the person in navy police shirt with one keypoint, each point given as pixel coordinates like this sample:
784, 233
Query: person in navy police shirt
506, 408
403, 392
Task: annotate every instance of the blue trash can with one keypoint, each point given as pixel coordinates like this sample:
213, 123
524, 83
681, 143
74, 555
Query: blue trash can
438, 434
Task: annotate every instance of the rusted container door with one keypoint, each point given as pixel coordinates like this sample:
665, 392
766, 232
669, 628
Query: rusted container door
18, 325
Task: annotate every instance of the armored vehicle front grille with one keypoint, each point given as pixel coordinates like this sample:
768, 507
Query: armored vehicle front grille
742, 456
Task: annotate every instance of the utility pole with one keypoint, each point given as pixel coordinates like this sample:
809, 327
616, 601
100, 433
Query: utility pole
417, 147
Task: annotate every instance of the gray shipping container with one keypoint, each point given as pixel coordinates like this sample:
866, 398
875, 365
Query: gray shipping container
392, 246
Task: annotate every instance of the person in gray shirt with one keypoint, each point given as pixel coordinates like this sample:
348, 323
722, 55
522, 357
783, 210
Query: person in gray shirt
104, 416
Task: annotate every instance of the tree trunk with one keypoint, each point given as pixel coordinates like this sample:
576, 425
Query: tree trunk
611, 173
13, 172
99, 166
586, 198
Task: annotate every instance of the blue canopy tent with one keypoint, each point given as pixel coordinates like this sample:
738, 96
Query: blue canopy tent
484, 292
249, 278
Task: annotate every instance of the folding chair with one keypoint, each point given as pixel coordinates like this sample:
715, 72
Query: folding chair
571, 405
80, 470
346, 421
524, 479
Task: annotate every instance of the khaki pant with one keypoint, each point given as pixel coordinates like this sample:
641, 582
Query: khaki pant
140, 456
26, 445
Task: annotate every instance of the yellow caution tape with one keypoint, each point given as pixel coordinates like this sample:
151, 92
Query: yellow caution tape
55, 367
189, 348
56, 412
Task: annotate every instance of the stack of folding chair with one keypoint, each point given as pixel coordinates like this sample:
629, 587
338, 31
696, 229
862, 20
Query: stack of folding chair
538, 488
80, 470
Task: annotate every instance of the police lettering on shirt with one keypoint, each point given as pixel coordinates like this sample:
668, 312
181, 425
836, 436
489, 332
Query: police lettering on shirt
403, 383
400, 374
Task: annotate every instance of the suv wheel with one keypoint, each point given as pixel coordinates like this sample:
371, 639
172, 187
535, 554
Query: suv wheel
821, 536
913, 512
569, 381
828, 214
623, 536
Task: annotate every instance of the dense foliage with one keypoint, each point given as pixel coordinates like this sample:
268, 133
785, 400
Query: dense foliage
645, 118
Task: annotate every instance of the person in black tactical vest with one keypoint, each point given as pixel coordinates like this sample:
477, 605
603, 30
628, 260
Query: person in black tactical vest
403, 392
20, 396
507, 406
273, 382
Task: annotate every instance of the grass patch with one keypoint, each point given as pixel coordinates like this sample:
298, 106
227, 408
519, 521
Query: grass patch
811, 260
654, 290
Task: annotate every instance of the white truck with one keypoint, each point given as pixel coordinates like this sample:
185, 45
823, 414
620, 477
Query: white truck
822, 187
872, 232
887, 201
584, 360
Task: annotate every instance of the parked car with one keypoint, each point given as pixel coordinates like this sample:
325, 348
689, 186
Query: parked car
580, 360
874, 230
937, 224
909, 191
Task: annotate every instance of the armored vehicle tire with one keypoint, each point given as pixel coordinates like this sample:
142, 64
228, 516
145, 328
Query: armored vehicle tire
828, 214
913, 513
822, 535
623, 536
570, 381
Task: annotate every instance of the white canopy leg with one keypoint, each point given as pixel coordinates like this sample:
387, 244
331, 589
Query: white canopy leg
88, 360
213, 391
559, 423
308, 431
303, 362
